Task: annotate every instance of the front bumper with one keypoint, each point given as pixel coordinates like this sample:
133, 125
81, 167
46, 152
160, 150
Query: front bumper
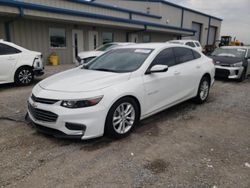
38, 72
228, 72
92, 119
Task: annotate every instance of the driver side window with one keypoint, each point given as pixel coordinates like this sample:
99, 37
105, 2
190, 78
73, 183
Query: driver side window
165, 57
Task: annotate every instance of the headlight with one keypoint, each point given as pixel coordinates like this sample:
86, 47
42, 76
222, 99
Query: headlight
81, 103
237, 64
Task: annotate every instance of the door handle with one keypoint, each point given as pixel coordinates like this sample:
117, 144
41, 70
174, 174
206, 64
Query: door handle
177, 73
11, 58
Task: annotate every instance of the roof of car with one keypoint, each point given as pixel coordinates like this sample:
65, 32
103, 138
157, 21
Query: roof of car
121, 43
152, 45
235, 47
183, 41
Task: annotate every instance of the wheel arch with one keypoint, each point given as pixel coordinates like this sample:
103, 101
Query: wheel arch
20, 67
208, 76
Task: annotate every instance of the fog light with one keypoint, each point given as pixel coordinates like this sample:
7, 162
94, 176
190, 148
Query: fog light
76, 127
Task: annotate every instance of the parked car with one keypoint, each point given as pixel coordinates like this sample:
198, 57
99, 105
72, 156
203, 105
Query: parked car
85, 57
18, 64
232, 62
192, 43
113, 92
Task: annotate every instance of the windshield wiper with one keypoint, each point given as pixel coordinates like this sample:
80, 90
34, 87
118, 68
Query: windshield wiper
106, 70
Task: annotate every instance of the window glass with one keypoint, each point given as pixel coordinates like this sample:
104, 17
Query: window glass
57, 37
197, 44
191, 44
106, 47
107, 37
196, 55
230, 52
183, 55
146, 38
7, 50
165, 57
120, 60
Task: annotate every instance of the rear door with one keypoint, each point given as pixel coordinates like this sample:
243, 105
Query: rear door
8, 59
189, 65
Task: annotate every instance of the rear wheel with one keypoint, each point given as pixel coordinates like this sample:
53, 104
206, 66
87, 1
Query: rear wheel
123, 116
203, 90
24, 76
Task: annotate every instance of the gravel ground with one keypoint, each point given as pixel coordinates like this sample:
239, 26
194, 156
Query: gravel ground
186, 146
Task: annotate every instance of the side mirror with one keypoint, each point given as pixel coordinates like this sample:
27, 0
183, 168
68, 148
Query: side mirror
157, 69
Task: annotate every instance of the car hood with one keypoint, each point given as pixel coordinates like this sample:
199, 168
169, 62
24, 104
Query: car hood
84, 55
82, 80
226, 60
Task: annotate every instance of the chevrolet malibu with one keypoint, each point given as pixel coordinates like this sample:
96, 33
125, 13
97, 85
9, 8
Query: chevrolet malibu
112, 93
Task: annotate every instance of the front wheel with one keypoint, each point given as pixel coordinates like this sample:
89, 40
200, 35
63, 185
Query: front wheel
24, 76
122, 117
203, 90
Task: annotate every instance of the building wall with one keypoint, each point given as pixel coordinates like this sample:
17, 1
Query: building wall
190, 17
34, 35
173, 15
154, 8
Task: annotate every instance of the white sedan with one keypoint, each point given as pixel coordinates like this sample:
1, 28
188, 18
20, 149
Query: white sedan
85, 57
113, 92
18, 64
192, 43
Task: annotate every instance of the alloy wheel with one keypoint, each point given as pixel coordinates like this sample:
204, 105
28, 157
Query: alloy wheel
204, 89
25, 76
123, 118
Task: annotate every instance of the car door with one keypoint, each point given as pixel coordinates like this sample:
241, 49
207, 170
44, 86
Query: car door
8, 60
161, 88
189, 65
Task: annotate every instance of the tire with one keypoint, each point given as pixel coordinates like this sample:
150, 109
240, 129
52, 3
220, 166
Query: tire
203, 90
118, 124
24, 76
243, 76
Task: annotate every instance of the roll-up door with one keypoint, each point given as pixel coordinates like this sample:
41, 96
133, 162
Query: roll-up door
197, 28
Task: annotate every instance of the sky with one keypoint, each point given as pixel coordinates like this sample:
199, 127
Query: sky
235, 15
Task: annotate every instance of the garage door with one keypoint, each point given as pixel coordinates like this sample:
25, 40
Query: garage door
197, 28
212, 35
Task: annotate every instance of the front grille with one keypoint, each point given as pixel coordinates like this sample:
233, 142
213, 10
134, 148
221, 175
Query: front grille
44, 101
225, 65
222, 73
42, 115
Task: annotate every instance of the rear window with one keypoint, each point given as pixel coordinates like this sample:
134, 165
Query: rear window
197, 44
191, 44
196, 55
183, 55
7, 50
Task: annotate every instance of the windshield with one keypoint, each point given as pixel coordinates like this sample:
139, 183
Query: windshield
106, 47
120, 60
230, 52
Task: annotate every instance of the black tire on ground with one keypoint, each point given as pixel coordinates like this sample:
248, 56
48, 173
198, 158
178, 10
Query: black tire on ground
203, 90
24, 76
110, 127
243, 76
